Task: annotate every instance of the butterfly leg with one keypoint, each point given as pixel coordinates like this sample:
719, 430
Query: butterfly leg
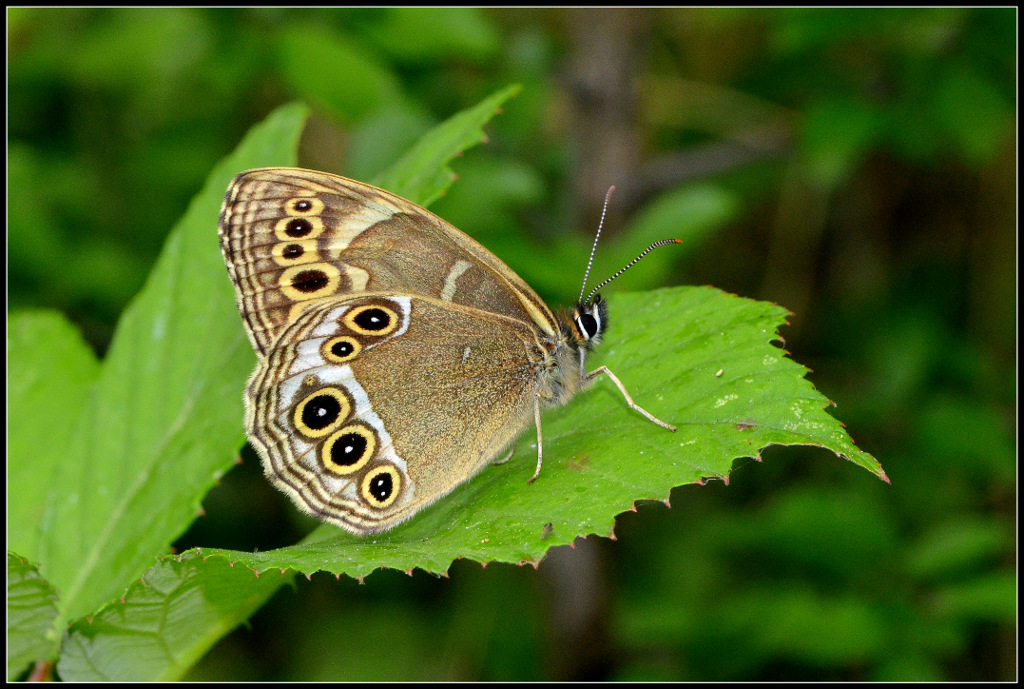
590, 377
540, 439
505, 458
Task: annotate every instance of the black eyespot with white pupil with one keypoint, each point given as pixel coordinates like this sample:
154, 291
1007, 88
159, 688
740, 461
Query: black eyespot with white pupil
373, 319
298, 227
321, 411
341, 349
380, 486
310, 281
348, 449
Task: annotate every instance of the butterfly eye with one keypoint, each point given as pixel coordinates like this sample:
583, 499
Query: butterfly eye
588, 325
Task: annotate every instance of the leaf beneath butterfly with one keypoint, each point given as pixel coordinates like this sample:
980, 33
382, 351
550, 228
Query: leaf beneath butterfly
696, 357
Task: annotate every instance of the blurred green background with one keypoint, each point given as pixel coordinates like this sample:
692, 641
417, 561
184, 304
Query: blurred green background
867, 163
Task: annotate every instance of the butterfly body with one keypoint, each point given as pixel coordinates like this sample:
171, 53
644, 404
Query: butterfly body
397, 356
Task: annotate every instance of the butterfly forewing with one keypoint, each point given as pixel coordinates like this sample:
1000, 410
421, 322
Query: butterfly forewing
292, 237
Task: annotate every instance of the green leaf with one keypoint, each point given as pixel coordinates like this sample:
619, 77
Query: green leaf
970, 108
957, 545
696, 357
51, 369
31, 611
991, 597
422, 174
326, 68
165, 621
417, 34
156, 632
160, 424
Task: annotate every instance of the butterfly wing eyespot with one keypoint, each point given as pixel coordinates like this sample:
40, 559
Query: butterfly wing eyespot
310, 281
289, 229
381, 486
348, 449
322, 412
304, 206
294, 252
341, 349
372, 319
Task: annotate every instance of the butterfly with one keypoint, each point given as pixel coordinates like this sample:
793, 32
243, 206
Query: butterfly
397, 356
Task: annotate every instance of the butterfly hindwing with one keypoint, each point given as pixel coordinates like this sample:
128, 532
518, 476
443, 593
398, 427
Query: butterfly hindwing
345, 409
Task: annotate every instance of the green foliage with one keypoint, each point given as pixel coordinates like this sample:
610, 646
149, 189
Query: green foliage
859, 171
31, 610
164, 388
719, 380
164, 621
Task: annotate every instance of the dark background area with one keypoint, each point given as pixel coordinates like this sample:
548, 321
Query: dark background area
870, 161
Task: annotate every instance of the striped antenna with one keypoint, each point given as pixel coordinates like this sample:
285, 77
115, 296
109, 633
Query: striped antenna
629, 265
593, 250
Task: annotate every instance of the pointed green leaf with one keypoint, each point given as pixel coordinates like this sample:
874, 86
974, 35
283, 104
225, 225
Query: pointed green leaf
422, 175
121, 642
160, 424
695, 357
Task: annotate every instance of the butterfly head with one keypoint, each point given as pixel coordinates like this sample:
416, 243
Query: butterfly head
588, 322
590, 317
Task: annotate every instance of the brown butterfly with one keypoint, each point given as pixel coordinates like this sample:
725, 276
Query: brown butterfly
397, 356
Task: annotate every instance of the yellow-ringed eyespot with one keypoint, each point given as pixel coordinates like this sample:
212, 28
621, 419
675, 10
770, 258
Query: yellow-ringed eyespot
291, 228
303, 206
371, 319
309, 281
348, 449
381, 486
295, 252
338, 350
321, 412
